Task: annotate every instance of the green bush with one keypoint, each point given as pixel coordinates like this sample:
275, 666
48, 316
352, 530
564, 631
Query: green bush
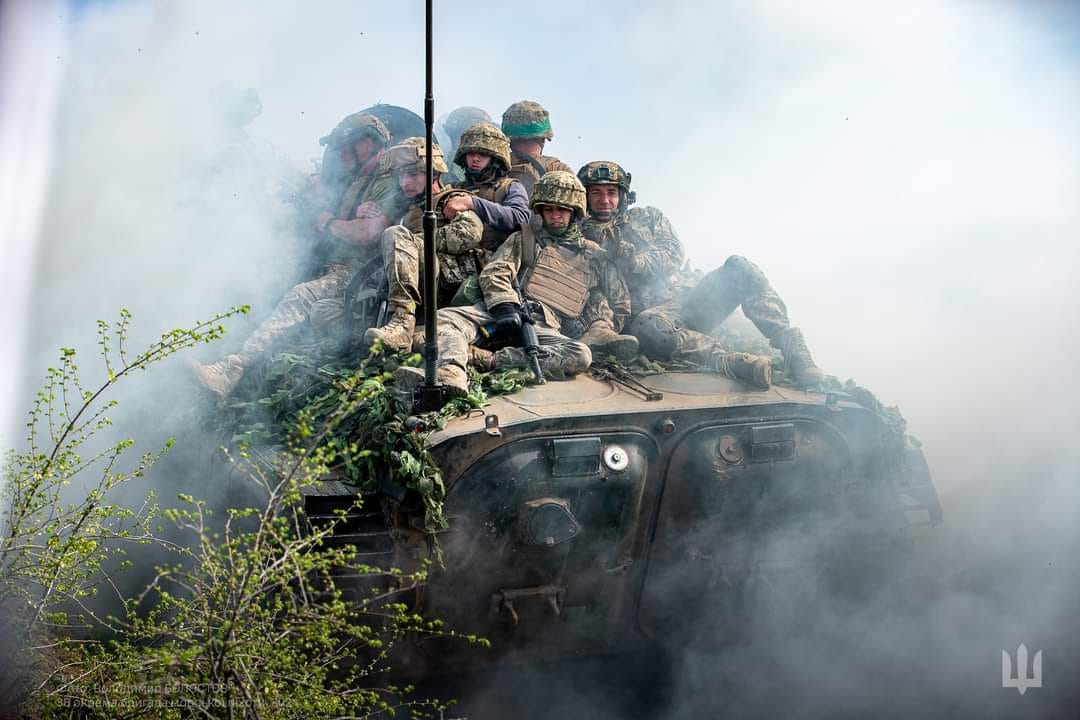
245, 622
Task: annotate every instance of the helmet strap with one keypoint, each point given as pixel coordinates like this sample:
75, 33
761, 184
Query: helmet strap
482, 177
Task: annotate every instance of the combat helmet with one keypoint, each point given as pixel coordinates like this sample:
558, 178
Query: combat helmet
354, 128
605, 172
562, 189
409, 156
463, 118
527, 119
484, 138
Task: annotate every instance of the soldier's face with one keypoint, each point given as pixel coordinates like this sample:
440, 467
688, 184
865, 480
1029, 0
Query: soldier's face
365, 150
533, 147
477, 161
603, 201
348, 158
556, 218
411, 184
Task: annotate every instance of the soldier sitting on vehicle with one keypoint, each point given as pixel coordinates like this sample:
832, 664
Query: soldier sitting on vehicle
528, 126
457, 122
363, 210
500, 201
671, 319
559, 273
458, 242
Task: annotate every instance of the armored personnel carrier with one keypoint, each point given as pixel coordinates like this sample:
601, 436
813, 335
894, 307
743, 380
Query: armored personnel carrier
612, 511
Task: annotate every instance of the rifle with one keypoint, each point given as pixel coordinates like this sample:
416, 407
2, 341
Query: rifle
528, 340
365, 300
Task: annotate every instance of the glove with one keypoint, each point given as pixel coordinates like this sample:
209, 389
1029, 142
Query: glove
507, 318
626, 257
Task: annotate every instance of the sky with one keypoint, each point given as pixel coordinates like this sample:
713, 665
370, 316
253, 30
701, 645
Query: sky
882, 164
906, 174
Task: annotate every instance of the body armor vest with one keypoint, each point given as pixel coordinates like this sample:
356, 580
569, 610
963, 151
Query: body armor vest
350, 199
527, 169
355, 191
527, 173
555, 275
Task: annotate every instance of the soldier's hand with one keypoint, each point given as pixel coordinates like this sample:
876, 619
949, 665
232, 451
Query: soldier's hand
626, 257
594, 248
323, 220
457, 204
507, 317
625, 249
367, 210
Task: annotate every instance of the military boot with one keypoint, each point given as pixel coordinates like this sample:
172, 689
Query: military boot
797, 361
753, 369
219, 378
483, 360
452, 378
604, 341
396, 335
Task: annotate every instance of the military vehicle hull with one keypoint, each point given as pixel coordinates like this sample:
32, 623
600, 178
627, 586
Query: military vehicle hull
593, 516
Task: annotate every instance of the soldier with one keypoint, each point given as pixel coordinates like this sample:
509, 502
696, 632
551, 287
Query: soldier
673, 322
558, 271
501, 202
456, 123
457, 242
528, 126
363, 211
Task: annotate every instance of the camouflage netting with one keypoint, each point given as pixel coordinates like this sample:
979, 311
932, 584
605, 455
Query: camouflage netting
281, 399
294, 391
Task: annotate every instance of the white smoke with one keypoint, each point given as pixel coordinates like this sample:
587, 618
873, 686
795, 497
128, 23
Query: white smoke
905, 174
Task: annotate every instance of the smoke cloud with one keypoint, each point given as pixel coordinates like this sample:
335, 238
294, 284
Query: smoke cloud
905, 175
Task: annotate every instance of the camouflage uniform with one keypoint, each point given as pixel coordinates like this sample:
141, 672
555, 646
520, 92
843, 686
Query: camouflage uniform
320, 300
672, 317
528, 120
457, 242
522, 255
336, 186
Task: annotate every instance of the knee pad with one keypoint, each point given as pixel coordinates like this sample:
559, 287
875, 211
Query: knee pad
579, 359
749, 275
656, 333
326, 312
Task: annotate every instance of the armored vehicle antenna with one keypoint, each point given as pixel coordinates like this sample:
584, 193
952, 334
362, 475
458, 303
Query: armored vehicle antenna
431, 391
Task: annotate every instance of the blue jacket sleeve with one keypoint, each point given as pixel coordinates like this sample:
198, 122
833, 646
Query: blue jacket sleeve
510, 215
